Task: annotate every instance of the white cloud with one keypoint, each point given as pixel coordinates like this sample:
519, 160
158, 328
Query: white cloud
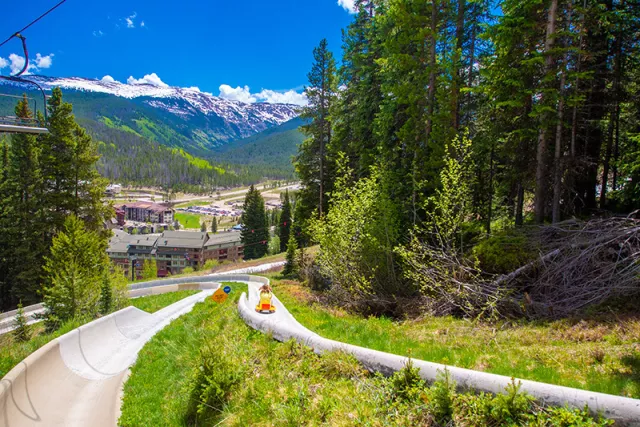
98, 33
16, 62
348, 5
288, 97
149, 79
242, 94
43, 61
129, 20
142, 24
108, 79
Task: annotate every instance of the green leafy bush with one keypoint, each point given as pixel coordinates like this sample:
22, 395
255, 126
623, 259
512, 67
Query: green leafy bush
505, 252
212, 380
211, 264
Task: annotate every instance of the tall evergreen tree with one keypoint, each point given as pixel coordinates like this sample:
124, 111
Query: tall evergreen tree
312, 162
23, 208
285, 222
72, 184
255, 226
214, 225
75, 273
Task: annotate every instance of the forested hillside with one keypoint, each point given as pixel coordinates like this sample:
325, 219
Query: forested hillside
273, 148
130, 159
450, 129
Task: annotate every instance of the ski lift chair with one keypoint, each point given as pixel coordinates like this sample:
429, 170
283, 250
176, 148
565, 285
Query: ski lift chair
11, 124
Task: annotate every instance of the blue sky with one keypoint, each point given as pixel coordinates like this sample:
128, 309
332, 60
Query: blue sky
263, 45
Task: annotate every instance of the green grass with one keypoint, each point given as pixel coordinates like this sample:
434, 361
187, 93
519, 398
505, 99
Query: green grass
153, 303
12, 352
188, 220
600, 355
207, 368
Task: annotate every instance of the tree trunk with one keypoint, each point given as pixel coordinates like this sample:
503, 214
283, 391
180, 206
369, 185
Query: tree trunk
472, 53
541, 155
457, 77
490, 204
558, 161
520, 206
558, 166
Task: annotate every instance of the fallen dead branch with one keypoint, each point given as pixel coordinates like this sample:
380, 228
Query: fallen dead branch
583, 264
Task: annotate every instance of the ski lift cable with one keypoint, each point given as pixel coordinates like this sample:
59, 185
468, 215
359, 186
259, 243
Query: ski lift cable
17, 33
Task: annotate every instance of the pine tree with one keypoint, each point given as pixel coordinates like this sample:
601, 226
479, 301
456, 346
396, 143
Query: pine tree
203, 227
22, 331
214, 225
74, 270
255, 226
106, 295
72, 185
311, 162
291, 267
23, 210
285, 222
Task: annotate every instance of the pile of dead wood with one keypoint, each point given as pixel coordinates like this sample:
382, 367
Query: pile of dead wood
580, 264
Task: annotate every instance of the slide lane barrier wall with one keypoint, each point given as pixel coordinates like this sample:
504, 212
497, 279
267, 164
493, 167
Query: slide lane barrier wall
283, 327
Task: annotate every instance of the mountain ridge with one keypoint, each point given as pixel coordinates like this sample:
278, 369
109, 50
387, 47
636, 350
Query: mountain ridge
177, 117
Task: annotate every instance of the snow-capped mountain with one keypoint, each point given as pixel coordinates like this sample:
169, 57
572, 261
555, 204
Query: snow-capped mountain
174, 116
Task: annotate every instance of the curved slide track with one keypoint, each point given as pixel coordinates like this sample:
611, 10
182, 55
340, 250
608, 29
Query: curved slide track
283, 326
77, 379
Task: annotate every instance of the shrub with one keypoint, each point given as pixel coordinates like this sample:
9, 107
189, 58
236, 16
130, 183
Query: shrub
512, 408
442, 395
357, 237
406, 384
211, 380
211, 264
504, 252
187, 270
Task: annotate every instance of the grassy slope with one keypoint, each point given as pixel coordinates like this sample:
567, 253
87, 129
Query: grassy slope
153, 303
188, 220
12, 352
280, 384
601, 356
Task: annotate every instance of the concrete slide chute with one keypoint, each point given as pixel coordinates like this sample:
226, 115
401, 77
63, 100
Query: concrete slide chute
76, 379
